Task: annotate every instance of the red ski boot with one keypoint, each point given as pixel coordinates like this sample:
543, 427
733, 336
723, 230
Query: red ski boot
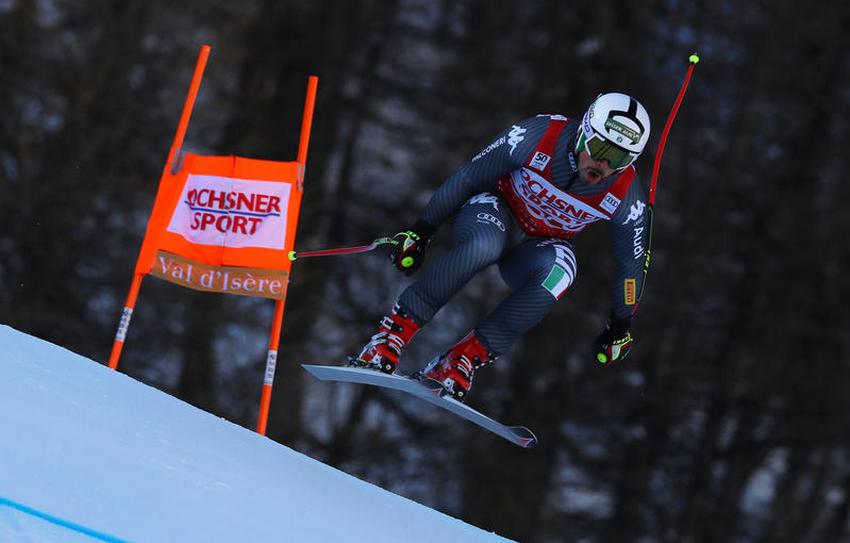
384, 349
454, 370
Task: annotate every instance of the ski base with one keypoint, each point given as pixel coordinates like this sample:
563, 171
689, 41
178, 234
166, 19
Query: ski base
427, 389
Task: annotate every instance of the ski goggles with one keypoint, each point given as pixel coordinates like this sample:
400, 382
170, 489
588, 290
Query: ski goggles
601, 149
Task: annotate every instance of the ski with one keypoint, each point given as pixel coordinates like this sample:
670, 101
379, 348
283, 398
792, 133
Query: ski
429, 390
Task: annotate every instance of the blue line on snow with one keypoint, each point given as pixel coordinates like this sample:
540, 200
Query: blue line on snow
60, 522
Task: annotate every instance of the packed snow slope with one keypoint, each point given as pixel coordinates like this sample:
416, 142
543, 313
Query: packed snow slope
88, 454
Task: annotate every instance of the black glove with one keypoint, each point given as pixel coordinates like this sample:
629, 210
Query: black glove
615, 342
408, 249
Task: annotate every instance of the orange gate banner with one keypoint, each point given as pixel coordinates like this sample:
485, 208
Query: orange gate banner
225, 224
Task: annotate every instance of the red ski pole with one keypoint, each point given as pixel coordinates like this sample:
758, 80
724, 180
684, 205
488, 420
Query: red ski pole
656, 167
342, 250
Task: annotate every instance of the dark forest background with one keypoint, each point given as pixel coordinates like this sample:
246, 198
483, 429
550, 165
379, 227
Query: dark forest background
731, 419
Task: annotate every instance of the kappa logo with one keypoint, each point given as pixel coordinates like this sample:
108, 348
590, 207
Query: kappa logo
635, 212
485, 198
540, 161
515, 136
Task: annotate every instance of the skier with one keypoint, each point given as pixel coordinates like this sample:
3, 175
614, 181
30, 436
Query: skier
520, 201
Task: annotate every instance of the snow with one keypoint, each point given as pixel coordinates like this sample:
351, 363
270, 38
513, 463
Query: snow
88, 454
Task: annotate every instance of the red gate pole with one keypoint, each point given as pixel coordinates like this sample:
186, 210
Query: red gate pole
182, 126
274, 340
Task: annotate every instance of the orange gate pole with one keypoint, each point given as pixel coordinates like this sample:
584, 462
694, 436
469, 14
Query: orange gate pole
189, 104
271, 363
182, 126
274, 340
124, 324
307, 119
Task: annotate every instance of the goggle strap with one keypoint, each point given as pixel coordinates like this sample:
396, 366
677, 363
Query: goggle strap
580, 141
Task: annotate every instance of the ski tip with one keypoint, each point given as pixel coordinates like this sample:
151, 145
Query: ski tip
525, 438
323, 373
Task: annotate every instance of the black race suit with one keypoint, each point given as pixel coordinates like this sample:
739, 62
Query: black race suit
538, 270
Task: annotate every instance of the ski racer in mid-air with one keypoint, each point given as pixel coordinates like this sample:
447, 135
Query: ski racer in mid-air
519, 203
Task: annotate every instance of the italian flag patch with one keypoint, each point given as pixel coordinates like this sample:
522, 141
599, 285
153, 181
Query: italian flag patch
558, 281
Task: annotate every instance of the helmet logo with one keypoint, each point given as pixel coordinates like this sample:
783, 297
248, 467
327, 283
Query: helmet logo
617, 126
585, 122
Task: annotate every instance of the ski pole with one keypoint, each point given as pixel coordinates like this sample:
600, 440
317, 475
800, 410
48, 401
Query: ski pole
342, 250
656, 167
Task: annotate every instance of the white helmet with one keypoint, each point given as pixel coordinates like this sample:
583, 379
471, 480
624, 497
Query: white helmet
614, 128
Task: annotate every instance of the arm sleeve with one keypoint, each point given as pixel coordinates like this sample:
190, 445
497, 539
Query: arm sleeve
505, 154
630, 239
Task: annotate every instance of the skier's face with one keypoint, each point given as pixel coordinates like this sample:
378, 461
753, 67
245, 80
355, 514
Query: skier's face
592, 171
